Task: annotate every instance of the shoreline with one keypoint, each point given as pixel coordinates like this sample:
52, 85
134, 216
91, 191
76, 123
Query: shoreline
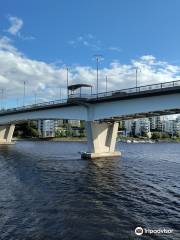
83, 139
151, 141
68, 139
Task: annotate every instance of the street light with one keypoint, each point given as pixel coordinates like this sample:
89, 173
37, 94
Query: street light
137, 69
67, 80
2, 97
98, 58
106, 83
60, 93
24, 92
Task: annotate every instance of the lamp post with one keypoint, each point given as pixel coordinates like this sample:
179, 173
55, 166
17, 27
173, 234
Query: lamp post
106, 83
2, 97
60, 93
98, 58
137, 69
24, 92
67, 80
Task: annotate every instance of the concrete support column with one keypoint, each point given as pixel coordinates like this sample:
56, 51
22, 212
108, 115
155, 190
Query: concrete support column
6, 133
101, 140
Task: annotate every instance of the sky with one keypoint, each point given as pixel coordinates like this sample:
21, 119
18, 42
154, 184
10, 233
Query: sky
39, 39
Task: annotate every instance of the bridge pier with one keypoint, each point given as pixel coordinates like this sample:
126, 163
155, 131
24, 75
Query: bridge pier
6, 133
101, 139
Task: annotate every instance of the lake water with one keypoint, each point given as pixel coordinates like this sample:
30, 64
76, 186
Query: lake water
47, 192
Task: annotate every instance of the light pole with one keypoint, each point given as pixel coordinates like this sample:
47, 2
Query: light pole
2, 97
67, 80
106, 83
137, 69
98, 58
60, 93
24, 92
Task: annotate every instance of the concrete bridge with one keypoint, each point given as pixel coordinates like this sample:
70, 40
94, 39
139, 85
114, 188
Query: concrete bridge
100, 112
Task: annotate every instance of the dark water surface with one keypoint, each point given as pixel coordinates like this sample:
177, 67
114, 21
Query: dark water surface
48, 192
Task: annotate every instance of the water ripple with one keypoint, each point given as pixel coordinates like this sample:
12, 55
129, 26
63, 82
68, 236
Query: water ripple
48, 192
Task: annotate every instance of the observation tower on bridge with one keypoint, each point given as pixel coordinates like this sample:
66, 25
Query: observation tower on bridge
76, 91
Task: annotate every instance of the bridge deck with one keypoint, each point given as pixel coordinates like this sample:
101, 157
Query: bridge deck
123, 94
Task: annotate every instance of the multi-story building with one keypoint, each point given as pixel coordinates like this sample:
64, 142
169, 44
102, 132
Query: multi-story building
142, 126
172, 126
74, 123
46, 128
156, 123
136, 127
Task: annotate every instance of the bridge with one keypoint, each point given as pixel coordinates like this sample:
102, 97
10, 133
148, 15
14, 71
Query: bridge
101, 112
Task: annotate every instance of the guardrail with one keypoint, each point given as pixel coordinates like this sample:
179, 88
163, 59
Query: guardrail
134, 90
140, 89
37, 105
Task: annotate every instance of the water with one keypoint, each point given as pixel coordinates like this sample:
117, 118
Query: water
47, 192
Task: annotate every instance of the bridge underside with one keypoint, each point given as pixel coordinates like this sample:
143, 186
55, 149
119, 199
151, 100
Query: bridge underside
100, 115
142, 115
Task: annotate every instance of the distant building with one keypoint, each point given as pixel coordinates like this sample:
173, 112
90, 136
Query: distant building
156, 123
49, 128
74, 123
142, 126
172, 126
148, 125
177, 126
46, 128
127, 126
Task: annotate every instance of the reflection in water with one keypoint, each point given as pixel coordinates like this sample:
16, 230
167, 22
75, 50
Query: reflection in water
48, 192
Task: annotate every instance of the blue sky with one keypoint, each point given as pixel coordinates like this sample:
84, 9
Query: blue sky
135, 27
37, 38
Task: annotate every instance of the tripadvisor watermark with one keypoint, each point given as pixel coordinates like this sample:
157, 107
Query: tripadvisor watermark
140, 231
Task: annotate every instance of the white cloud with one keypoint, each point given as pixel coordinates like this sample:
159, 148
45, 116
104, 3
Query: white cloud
16, 25
46, 79
6, 45
115, 49
90, 41
87, 40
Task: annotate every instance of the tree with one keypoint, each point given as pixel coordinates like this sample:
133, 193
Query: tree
156, 135
28, 129
164, 135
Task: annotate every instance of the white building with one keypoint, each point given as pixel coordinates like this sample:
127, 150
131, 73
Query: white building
156, 123
46, 128
74, 123
128, 124
177, 128
171, 126
142, 126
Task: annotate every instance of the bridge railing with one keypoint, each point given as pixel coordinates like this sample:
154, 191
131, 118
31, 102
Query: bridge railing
140, 89
121, 92
36, 105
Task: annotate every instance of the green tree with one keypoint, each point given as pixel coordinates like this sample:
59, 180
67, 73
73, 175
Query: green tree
164, 135
156, 135
28, 129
